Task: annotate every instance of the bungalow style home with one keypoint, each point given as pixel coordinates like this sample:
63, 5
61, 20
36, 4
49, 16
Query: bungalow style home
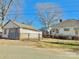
68, 28
15, 30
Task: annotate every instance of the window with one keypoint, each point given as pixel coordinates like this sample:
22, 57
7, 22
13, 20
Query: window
66, 29
5, 31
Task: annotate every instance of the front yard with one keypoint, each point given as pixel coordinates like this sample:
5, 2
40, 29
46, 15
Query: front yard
62, 44
44, 49
45, 43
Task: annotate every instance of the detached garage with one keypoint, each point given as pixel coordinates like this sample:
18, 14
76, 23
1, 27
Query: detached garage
15, 30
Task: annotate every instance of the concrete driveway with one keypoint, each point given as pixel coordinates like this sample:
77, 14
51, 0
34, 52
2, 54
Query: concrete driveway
23, 52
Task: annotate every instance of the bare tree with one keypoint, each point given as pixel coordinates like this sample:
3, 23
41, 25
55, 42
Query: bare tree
48, 13
5, 9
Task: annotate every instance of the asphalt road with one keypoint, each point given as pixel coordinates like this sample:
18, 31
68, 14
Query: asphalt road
18, 52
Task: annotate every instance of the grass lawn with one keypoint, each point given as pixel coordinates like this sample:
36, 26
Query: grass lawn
58, 43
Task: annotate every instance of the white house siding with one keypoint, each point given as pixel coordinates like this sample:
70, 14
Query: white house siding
7, 27
5, 35
10, 25
71, 32
26, 33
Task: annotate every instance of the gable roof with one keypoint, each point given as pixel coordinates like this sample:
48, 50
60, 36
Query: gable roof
21, 25
69, 23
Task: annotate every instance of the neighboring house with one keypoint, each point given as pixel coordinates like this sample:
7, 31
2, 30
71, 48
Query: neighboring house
0, 32
49, 31
67, 28
15, 30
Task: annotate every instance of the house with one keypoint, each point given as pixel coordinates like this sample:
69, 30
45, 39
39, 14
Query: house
48, 31
68, 28
0, 32
15, 30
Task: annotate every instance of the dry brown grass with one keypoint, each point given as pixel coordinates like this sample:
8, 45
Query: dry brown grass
59, 43
45, 43
8, 42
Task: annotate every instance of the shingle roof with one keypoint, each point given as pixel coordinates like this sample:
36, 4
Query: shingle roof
69, 23
23, 25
